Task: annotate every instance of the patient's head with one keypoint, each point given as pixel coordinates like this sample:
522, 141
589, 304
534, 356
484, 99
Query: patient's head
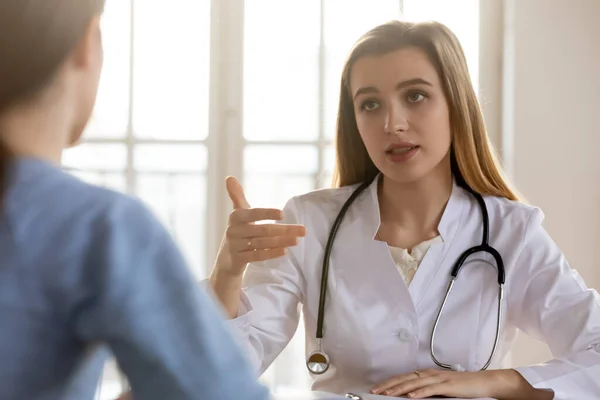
51, 53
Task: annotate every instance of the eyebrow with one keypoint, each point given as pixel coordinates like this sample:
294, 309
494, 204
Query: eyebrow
401, 85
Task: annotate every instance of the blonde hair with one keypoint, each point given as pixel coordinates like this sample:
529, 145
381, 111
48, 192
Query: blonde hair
474, 162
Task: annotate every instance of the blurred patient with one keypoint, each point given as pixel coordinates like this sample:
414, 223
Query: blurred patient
81, 265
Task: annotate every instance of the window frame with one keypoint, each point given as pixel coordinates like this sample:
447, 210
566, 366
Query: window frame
226, 139
225, 142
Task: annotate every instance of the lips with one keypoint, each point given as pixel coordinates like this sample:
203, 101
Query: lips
401, 150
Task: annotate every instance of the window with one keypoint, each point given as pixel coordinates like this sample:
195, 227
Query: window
147, 136
193, 91
461, 16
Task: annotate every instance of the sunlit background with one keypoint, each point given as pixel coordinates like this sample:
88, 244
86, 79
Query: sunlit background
195, 90
155, 135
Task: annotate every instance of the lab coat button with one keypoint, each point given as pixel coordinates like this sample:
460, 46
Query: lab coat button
404, 335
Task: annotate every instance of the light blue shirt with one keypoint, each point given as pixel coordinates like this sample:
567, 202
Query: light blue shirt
82, 266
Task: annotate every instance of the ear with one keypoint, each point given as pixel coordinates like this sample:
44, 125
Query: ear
89, 48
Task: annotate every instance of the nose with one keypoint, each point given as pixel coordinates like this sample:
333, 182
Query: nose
395, 120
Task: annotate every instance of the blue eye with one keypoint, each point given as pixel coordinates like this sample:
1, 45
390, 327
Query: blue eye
415, 97
369, 105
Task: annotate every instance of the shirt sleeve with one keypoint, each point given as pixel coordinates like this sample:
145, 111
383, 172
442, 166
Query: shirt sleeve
168, 337
269, 305
551, 303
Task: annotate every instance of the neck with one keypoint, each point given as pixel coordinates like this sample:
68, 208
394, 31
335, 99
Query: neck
411, 212
36, 131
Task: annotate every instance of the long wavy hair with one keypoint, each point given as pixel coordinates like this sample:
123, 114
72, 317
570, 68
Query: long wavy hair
474, 163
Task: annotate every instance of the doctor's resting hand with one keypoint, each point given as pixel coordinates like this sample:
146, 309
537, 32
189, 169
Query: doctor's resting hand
245, 241
497, 384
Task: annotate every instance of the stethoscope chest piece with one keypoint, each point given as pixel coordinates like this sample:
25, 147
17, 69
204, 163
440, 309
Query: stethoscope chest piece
317, 362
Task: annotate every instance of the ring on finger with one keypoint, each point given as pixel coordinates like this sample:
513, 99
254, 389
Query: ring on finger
249, 245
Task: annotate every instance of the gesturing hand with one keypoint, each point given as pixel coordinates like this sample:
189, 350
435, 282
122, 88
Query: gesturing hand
245, 241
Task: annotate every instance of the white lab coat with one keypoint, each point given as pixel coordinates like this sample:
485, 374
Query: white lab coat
376, 327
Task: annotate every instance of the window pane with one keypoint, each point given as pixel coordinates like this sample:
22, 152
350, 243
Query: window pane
328, 167
274, 174
288, 373
171, 69
164, 157
172, 180
99, 157
111, 385
345, 22
281, 47
179, 201
111, 113
280, 159
461, 16
114, 181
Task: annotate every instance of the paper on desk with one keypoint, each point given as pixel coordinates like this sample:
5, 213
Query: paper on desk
307, 396
367, 396
330, 396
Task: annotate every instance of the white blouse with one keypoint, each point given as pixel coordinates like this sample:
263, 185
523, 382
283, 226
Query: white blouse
407, 261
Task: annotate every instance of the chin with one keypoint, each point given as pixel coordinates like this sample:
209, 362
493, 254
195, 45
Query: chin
403, 174
415, 170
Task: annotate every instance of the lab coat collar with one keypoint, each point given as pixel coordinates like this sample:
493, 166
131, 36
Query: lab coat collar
363, 221
448, 225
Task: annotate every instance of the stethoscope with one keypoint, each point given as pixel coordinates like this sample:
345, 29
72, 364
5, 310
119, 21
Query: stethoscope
318, 361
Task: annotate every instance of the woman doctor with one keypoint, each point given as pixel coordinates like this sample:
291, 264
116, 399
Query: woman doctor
410, 123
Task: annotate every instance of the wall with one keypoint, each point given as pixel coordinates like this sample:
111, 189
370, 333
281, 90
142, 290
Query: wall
550, 134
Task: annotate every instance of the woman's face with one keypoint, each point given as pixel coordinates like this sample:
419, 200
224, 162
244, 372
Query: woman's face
402, 114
